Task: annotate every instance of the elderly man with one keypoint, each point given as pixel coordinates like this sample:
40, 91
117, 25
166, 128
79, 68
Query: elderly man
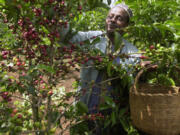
117, 19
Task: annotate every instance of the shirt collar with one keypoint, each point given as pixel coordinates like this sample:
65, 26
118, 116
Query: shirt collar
110, 47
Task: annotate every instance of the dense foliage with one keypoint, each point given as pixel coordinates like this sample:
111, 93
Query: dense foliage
36, 55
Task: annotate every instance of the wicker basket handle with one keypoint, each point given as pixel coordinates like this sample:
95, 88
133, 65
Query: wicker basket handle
139, 74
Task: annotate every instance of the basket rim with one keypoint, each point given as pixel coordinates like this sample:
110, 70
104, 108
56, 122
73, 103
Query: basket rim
134, 89
155, 94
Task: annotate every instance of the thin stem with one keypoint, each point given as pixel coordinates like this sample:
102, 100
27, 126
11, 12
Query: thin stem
49, 109
22, 98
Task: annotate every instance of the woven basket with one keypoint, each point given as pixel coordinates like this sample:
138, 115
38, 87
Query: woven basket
155, 109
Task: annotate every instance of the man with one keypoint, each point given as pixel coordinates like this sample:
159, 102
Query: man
118, 18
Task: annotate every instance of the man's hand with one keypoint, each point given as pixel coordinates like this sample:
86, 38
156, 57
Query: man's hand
147, 63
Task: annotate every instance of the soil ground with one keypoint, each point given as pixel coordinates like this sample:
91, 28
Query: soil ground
67, 83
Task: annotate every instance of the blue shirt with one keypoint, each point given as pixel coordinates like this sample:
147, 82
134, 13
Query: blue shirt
89, 73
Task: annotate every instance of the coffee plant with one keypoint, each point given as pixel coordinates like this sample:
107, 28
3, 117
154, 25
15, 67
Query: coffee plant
37, 54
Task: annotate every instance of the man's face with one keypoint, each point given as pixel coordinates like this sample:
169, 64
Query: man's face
116, 19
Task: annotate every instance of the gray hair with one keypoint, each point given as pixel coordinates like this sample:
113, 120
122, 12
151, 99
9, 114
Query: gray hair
126, 8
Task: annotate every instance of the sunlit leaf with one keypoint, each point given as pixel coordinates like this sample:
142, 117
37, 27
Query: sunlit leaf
46, 68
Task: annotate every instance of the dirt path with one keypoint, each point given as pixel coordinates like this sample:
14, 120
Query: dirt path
67, 83
70, 78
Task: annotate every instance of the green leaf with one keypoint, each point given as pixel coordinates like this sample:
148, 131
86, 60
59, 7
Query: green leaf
103, 5
81, 107
44, 29
113, 118
46, 41
45, 67
107, 123
27, 77
87, 42
79, 127
90, 2
109, 66
124, 124
103, 107
2, 2
117, 41
165, 80
122, 111
96, 3
126, 80
109, 101
95, 41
